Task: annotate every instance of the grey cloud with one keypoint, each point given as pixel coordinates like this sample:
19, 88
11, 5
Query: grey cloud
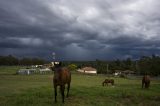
80, 30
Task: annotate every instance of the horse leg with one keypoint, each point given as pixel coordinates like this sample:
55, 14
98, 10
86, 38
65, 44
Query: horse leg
102, 83
62, 87
55, 93
148, 84
68, 89
142, 84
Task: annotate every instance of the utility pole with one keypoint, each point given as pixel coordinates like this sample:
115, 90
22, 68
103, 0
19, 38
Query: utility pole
107, 68
54, 56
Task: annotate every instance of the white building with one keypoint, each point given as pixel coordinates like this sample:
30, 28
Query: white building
26, 71
88, 70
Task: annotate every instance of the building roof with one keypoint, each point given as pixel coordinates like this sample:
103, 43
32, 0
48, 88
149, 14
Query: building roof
89, 69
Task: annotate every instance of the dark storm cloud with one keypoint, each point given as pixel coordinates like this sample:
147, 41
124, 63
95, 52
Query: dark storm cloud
80, 30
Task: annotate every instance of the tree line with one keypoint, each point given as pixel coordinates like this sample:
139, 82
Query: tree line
11, 60
144, 65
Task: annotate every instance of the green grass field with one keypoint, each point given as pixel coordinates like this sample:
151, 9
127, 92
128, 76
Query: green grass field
37, 90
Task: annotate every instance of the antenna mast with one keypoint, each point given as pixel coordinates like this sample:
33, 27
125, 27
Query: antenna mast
54, 56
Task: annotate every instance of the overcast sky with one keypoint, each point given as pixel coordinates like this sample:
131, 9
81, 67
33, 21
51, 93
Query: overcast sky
80, 29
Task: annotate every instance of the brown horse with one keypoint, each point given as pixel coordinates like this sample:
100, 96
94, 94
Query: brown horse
106, 81
61, 77
146, 81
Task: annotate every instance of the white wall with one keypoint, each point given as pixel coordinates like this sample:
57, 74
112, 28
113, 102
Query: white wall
92, 72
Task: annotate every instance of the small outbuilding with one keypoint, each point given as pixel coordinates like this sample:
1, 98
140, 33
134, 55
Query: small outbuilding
44, 70
117, 72
128, 72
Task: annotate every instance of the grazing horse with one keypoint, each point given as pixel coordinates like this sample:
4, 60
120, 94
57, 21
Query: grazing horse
61, 77
106, 81
146, 81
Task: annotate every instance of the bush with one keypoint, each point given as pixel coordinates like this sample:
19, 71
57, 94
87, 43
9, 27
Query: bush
72, 67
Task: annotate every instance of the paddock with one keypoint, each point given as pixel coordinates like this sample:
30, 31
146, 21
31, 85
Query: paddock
86, 90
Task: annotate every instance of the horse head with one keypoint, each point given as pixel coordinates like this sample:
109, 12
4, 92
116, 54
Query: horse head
55, 65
